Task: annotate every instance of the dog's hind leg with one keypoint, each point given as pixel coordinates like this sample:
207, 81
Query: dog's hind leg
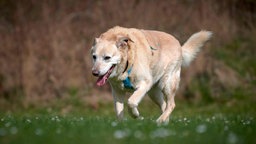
171, 85
158, 97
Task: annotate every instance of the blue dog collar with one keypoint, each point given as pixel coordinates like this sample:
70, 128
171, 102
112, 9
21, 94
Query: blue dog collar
127, 82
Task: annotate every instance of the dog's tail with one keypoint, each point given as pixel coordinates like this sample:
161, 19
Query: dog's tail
192, 46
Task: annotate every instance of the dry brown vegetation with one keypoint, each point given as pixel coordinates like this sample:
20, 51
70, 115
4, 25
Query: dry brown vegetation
44, 44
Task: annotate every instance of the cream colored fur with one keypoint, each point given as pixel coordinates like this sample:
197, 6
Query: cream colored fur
155, 60
193, 45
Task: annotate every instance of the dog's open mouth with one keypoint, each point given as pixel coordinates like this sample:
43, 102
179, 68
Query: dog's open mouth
103, 79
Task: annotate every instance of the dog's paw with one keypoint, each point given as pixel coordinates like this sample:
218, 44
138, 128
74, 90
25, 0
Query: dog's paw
134, 112
162, 121
140, 118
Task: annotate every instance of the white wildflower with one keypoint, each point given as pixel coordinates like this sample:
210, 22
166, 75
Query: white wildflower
232, 138
201, 128
119, 134
8, 124
139, 135
38, 131
114, 124
161, 133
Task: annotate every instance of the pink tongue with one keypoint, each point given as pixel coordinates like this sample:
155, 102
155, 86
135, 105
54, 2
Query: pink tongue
102, 79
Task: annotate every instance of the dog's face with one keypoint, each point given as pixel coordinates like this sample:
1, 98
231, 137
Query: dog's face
106, 57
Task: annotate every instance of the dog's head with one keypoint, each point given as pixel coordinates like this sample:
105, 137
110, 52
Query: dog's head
106, 57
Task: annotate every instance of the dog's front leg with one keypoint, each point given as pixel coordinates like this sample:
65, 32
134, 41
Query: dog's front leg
118, 103
141, 89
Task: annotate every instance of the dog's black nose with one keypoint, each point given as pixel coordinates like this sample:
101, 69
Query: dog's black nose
95, 72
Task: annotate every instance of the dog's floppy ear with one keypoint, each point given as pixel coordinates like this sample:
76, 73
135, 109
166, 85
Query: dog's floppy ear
123, 42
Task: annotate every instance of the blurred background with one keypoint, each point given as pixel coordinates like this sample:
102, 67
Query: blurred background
44, 49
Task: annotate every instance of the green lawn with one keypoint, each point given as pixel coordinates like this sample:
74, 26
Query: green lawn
189, 124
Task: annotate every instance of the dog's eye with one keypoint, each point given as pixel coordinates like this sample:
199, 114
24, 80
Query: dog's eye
107, 57
94, 57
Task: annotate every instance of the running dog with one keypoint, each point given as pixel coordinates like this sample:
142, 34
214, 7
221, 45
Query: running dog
143, 62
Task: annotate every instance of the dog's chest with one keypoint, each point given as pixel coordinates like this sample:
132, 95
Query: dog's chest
125, 85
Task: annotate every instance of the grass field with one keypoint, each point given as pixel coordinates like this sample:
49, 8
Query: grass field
189, 124
47, 93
